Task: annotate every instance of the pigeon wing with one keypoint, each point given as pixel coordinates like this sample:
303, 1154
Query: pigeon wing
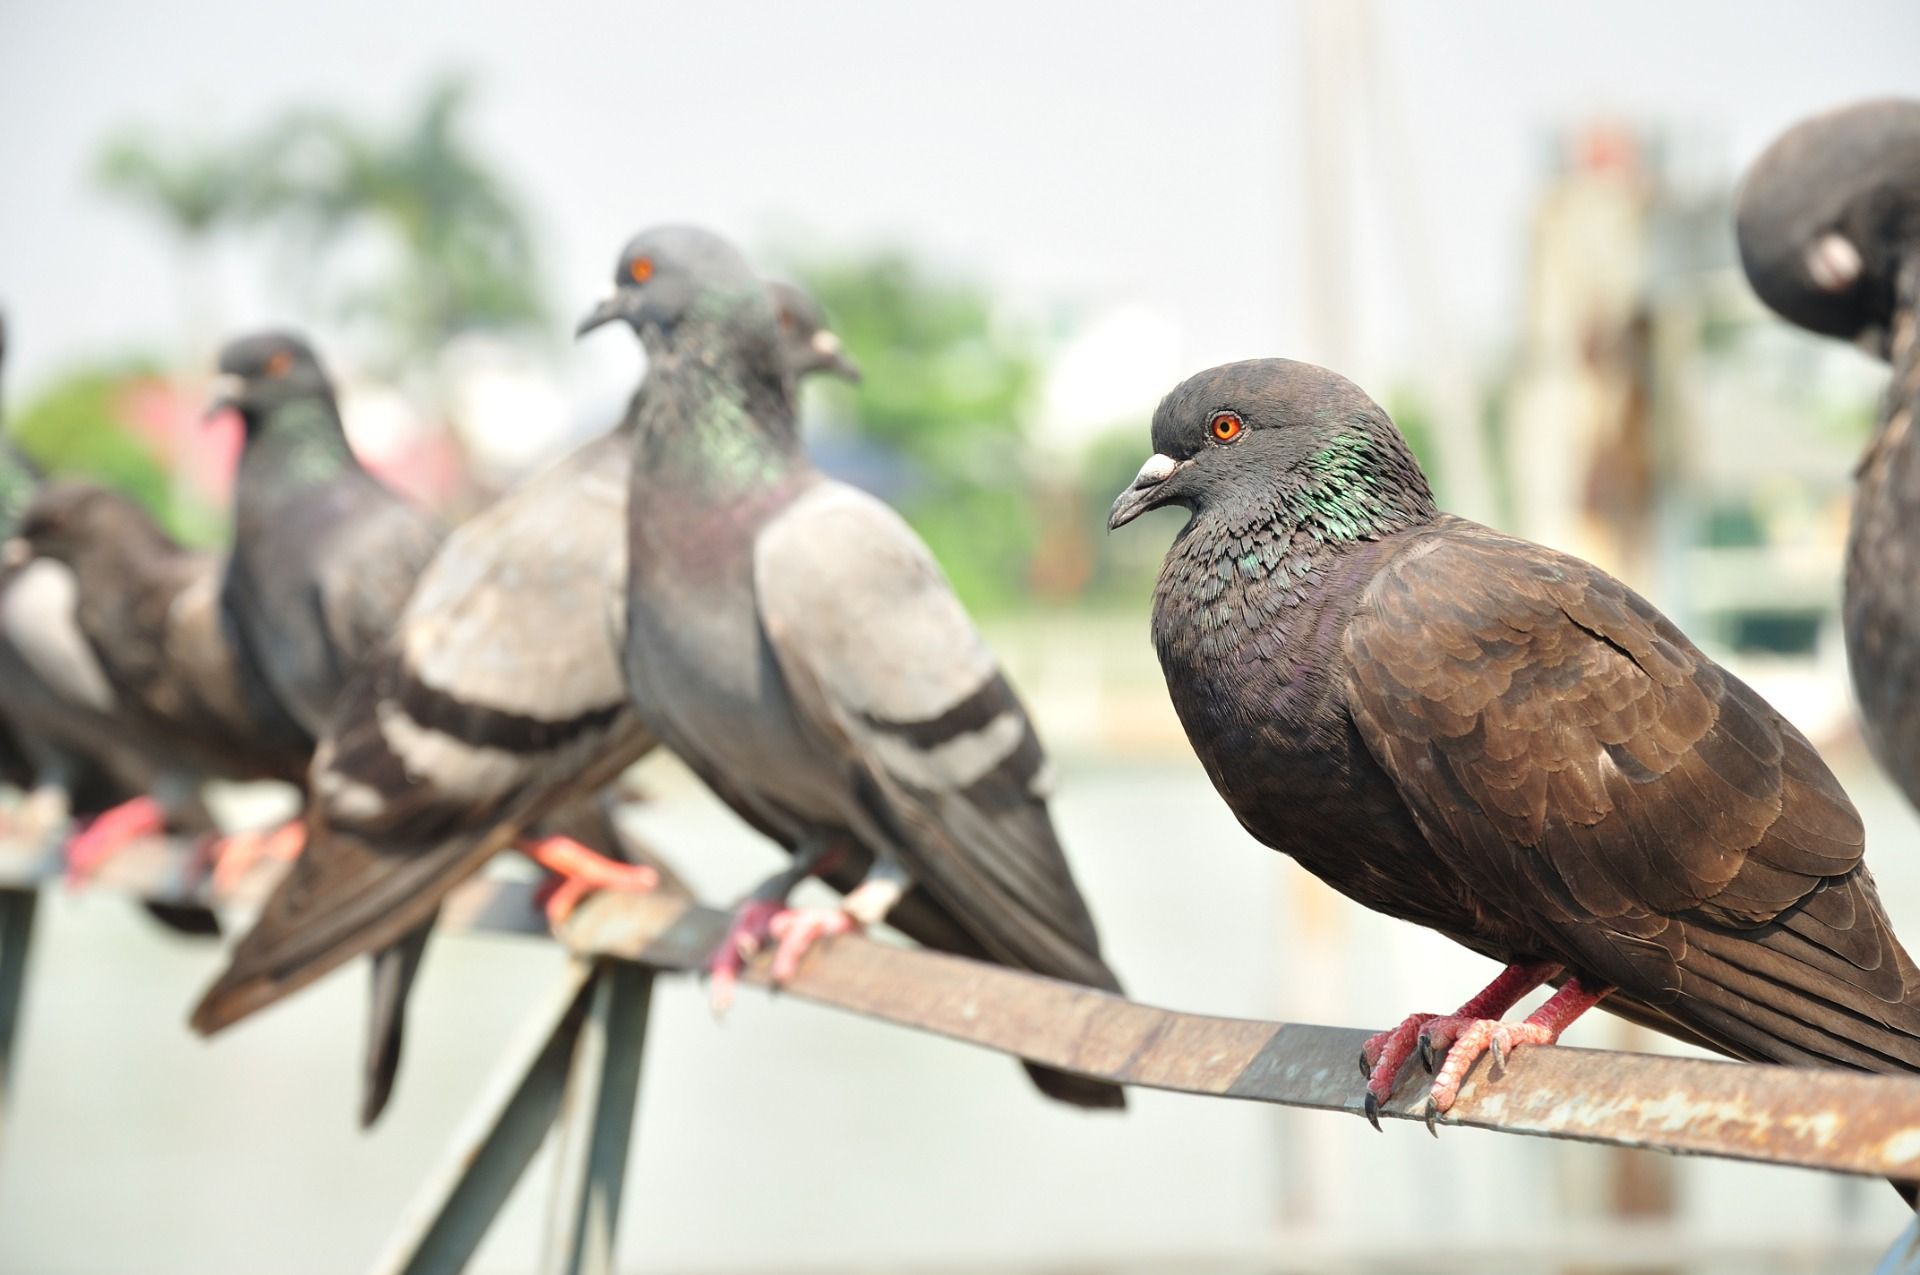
941, 764
1612, 797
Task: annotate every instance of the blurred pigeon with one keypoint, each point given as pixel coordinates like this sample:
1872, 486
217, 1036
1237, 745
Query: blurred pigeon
1829, 225
498, 705
794, 642
324, 553
149, 610
63, 739
58, 740
1501, 742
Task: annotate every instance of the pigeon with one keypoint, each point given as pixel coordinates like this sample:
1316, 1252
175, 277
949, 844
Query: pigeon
1829, 229
60, 742
63, 738
324, 554
497, 706
149, 611
793, 641
1503, 743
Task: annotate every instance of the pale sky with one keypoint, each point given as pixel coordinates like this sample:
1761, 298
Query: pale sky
1099, 156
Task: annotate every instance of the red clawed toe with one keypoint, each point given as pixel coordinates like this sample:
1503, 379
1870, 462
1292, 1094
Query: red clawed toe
582, 871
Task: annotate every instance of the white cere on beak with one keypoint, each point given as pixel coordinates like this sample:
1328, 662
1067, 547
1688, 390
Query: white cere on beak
1156, 470
825, 343
1834, 262
227, 387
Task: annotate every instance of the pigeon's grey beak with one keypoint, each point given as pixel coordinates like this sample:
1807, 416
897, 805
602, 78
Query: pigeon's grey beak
612, 306
1146, 492
225, 392
833, 356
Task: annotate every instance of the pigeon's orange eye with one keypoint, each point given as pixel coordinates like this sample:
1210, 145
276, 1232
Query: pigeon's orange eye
1226, 426
279, 363
641, 269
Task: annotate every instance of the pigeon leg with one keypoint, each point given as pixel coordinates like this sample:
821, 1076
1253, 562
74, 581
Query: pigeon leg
236, 855
582, 871
111, 832
1382, 1056
1490, 1035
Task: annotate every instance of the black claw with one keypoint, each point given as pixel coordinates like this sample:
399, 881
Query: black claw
1373, 1112
1433, 1116
1426, 1052
1366, 1068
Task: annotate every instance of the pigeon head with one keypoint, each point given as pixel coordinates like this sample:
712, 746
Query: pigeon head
1830, 213
262, 372
1271, 436
672, 274
807, 344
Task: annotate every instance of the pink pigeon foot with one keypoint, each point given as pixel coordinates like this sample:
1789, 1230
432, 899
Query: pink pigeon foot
580, 872
236, 855
749, 931
798, 929
1473, 1037
1384, 1054
110, 833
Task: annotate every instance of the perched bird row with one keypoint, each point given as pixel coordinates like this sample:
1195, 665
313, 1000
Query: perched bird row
1443, 722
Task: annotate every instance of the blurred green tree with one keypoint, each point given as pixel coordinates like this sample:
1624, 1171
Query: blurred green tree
452, 250
78, 426
459, 252
947, 391
197, 190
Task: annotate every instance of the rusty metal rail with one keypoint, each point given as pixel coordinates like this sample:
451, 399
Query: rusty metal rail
579, 1062
1840, 1121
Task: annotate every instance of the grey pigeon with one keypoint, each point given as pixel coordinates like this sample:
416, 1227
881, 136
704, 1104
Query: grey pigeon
1503, 743
791, 639
1829, 226
497, 705
324, 553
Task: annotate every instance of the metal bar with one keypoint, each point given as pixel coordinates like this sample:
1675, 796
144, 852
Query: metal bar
596, 1123
445, 1223
1837, 1120
16, 938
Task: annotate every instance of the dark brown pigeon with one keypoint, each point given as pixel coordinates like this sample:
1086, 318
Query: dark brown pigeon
793, 642
1501, 742
1829, 222
498, 707
149, 610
